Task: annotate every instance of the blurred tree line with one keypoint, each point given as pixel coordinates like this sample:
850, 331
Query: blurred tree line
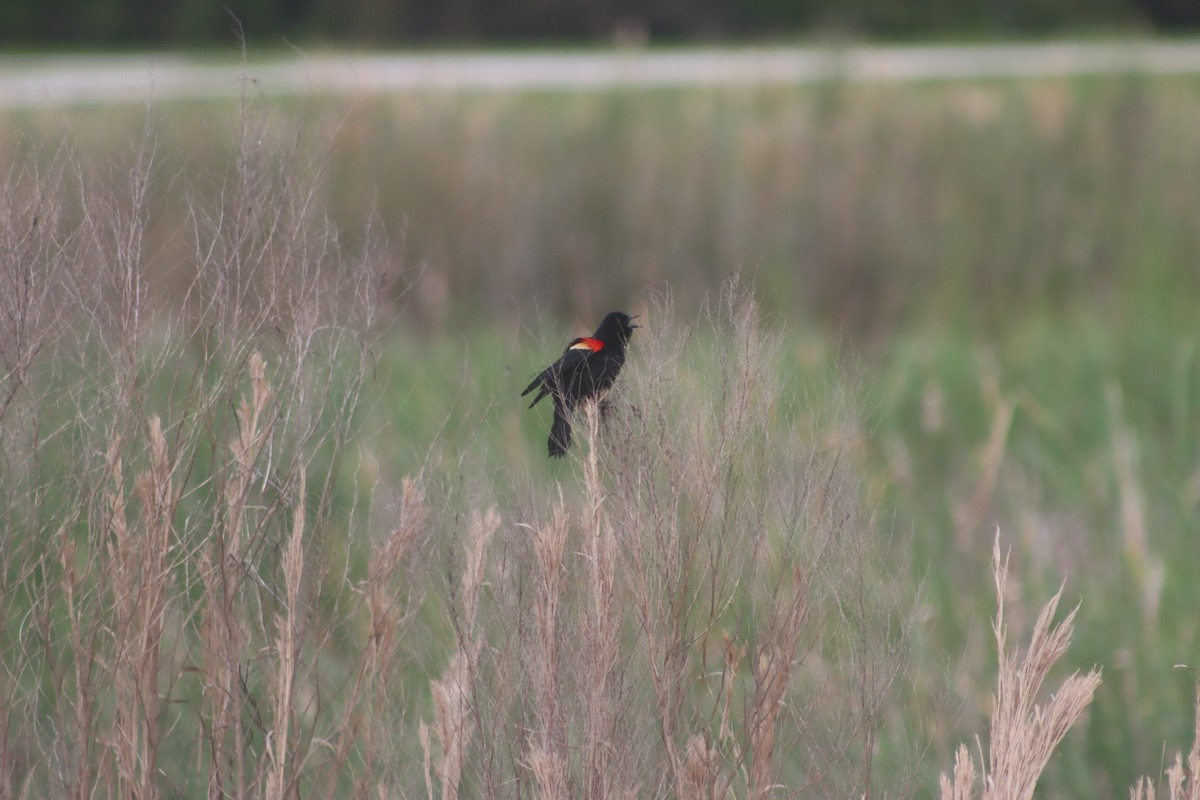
386, 22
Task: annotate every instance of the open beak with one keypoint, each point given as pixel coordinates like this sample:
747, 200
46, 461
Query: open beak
631, 319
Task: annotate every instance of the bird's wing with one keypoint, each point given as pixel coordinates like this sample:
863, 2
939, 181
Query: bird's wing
571, 357
578, 351
586, 344
575, 354
549, 377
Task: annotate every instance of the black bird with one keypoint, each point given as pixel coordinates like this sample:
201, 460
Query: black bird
585, 371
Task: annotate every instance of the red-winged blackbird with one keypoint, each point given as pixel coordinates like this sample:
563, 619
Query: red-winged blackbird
587, 368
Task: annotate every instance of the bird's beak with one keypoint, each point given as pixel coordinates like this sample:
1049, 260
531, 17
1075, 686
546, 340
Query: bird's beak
631, 319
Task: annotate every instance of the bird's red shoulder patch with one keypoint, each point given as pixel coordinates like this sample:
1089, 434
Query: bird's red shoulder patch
586, 343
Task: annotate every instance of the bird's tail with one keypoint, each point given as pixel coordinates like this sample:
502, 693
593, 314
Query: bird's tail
538, 383
560, 434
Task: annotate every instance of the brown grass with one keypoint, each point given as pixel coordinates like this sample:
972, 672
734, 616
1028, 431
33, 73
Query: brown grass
169, 482
1183, 781
1023, 733
699, 612
202, 596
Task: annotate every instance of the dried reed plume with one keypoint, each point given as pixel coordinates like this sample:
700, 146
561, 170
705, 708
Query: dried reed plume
1023, 734
454, 723
1183, 782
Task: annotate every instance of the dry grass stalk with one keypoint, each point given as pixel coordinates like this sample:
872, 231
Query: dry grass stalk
1183, 782
453, 725
482, 528
1142, 790
1193, 759
383, 601
287, 626
1177, 779
1146, 568
549, 770
974, 512
32, 264
246, 447
386, 557
701, 771
1132, 504
962, 786
771, 680
385, 604
140, 559
163, 605
732, 655
118, 551
547, 757
1024, 734
715, 508
454, 722
600, 638
426, 756
83, 719
223, 571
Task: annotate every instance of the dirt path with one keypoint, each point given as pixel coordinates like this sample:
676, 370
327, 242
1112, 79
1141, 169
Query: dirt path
59, 81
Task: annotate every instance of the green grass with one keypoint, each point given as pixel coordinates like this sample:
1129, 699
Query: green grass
1056, 500
1077, 387
860, 207
449, 410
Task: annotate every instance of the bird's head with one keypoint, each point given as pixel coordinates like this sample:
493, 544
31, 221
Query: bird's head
616, 327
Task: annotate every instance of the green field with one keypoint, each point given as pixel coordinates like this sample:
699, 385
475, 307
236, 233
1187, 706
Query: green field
882, 326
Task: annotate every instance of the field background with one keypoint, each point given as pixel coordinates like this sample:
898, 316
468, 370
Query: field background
982, 295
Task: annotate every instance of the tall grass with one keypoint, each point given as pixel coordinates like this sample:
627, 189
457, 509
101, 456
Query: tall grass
866, 209
257, 540
705, 613
1071, 438
173, 484
202, 597
1024, 735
